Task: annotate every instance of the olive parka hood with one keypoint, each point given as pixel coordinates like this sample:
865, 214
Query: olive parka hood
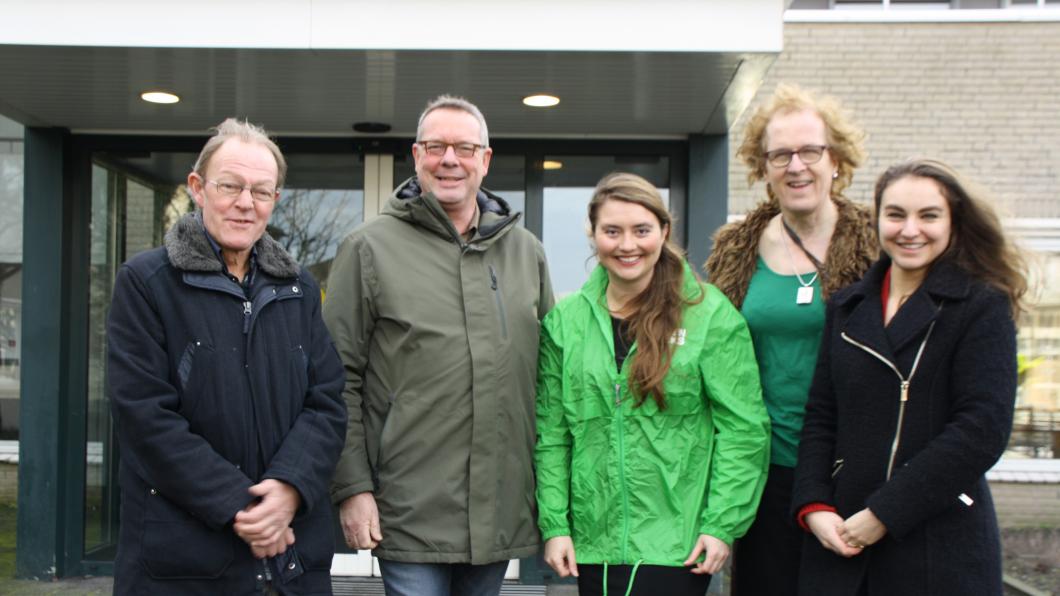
438, 336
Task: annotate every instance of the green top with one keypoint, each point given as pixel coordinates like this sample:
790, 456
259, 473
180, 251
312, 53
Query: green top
786, 336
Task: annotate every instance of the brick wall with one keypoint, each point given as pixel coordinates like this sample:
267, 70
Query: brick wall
984, 97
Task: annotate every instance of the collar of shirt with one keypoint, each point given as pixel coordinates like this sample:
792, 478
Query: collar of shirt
473, 227
246, 281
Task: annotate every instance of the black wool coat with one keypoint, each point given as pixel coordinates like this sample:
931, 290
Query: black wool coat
942, 536
211, 392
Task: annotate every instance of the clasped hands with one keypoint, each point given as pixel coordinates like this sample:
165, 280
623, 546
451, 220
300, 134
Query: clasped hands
265, 524
846, 538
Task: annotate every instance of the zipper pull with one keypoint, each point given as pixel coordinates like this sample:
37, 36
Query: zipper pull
905, 391
246, 316
493, 278
618, 394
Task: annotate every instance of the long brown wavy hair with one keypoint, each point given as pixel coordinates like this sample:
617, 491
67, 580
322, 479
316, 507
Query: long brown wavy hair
977, 244
654, 314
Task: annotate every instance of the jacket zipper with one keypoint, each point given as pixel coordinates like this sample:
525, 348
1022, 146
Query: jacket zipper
904, 382
622, 469
249, 315
495, 286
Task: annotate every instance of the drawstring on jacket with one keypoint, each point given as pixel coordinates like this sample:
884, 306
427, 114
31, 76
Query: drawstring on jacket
632, 576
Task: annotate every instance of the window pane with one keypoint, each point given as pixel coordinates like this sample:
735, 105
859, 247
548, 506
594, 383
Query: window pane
858, 5
322, 201
1036, 428
569, 184
10, 275
100, 476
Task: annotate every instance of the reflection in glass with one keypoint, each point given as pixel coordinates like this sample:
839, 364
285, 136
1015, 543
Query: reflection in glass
100, 474
1036, 425
565, 223
10, 276
310, 223
321, 203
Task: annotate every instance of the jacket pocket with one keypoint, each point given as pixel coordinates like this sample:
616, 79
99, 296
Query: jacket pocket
384, 432
194, 372
299, 367
175, 545
374, 440
184, 368
498, 296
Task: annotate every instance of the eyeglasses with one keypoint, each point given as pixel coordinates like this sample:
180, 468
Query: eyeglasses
438, 148
230, 189
808, 154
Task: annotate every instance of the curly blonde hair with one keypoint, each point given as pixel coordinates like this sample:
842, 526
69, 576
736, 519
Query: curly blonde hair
845, 138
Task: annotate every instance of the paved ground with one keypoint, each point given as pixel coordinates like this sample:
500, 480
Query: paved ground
102, 586
94, 586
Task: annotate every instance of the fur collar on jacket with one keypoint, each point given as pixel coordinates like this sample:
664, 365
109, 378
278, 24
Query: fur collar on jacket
190, 250
734, 258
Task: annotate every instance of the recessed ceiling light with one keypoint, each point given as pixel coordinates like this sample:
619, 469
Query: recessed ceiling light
371, 127
159, 97
540, 101
552, 164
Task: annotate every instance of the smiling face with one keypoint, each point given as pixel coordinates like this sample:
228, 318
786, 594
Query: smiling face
915, 224
799, 187
629, 240
453, 180
235, 223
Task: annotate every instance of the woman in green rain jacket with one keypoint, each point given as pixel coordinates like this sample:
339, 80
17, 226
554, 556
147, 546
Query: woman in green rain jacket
648, 466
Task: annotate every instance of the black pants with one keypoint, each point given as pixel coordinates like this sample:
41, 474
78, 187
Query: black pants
766, 560
651, 580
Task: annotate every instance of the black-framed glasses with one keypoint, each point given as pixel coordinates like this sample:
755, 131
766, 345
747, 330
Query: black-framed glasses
438, 148
231, 190
808, 154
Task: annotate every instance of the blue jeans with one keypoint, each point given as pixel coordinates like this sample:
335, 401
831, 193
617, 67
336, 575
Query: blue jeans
442, 579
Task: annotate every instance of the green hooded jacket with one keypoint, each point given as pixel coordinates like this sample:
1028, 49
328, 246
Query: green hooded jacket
631, 483
439, 340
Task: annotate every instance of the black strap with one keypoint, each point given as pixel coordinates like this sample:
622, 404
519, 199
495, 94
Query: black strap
817, 264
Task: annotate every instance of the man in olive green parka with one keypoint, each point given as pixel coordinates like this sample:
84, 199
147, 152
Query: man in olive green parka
435, 307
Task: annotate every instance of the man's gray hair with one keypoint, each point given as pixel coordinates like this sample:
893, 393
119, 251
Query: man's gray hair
246, 132
451, 102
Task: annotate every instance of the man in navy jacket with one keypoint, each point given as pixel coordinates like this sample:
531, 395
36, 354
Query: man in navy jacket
226, 392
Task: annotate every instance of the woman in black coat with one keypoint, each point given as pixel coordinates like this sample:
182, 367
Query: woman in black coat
912, 400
